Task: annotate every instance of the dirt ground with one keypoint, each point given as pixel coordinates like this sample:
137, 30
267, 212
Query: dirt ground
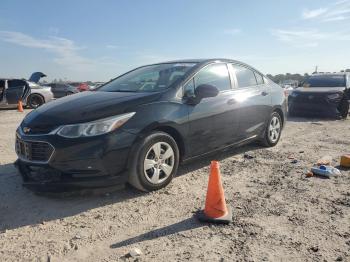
279, 214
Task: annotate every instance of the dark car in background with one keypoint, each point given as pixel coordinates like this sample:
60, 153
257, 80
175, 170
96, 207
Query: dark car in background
324, 94
138, 127
63, 89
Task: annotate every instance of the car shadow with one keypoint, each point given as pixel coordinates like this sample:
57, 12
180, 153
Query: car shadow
21, 207
312, 118
200, 162
184, 225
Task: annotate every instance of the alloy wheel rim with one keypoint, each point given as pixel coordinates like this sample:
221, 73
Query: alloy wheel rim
159, 162
35, 101
274, 129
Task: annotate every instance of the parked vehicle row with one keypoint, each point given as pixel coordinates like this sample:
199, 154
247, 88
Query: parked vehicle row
138, 127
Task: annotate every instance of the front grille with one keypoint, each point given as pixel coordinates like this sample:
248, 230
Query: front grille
33, 150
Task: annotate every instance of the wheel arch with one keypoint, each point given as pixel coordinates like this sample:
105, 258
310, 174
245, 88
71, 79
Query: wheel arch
35, 94
170, 130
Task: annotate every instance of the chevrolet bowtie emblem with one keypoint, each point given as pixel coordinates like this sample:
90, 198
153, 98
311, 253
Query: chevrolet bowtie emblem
26, 129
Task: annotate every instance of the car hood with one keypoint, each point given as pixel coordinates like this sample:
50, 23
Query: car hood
85, 107
319, 89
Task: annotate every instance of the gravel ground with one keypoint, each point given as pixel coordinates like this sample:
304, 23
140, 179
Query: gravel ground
279, 214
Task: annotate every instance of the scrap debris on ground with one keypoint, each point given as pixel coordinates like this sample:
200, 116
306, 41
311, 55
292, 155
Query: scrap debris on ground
279, 212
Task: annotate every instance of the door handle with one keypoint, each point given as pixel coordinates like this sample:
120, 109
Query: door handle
231, 101
264, 93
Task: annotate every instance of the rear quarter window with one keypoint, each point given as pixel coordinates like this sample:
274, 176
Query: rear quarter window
259, 78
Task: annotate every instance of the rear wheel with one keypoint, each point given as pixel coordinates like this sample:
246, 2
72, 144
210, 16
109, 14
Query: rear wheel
35, 100
344, 108
154, 162
273, 130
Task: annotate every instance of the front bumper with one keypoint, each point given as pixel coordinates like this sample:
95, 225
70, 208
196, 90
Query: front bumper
75, 164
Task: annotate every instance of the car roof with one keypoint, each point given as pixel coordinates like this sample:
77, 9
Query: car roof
201, 61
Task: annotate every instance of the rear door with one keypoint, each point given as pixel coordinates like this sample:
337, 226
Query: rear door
211, 121
17, 90
254, 100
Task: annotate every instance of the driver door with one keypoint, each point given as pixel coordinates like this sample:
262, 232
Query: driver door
213, 122
16, 90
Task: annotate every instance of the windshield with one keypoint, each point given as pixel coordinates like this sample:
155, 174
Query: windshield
325, 81
148, 78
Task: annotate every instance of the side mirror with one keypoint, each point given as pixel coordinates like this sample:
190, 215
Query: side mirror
204, 91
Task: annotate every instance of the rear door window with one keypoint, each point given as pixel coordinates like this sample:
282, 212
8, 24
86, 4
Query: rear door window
245, 76
216, 75
259, 78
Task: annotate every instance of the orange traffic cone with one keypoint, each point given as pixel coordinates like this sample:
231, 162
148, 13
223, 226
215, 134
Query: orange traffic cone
215, 210
20, 106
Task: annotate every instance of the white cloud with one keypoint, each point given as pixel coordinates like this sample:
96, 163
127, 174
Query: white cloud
232, 31
66, 52
309, 14
112, 46
337, 11
309, 37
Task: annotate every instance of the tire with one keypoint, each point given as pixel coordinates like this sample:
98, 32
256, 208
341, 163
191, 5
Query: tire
35, 100
344, 108
145, 154
69, 93
272, 133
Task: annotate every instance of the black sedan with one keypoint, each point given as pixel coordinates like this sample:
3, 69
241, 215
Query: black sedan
63, 89
323, 94
138, 127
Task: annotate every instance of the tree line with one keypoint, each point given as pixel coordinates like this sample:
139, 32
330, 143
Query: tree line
296, 77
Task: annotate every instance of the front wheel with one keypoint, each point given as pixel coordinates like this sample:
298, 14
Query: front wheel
34, 101
154, 162
273, 130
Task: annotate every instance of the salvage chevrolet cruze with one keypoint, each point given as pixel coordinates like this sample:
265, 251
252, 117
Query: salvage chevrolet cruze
138, 127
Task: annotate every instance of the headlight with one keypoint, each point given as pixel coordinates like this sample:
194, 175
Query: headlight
94, 128
333, 96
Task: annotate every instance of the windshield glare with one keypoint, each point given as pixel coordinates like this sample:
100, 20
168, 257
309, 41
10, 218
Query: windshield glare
148, 78
325, 81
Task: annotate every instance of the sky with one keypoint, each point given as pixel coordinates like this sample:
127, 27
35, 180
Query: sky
85, 40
